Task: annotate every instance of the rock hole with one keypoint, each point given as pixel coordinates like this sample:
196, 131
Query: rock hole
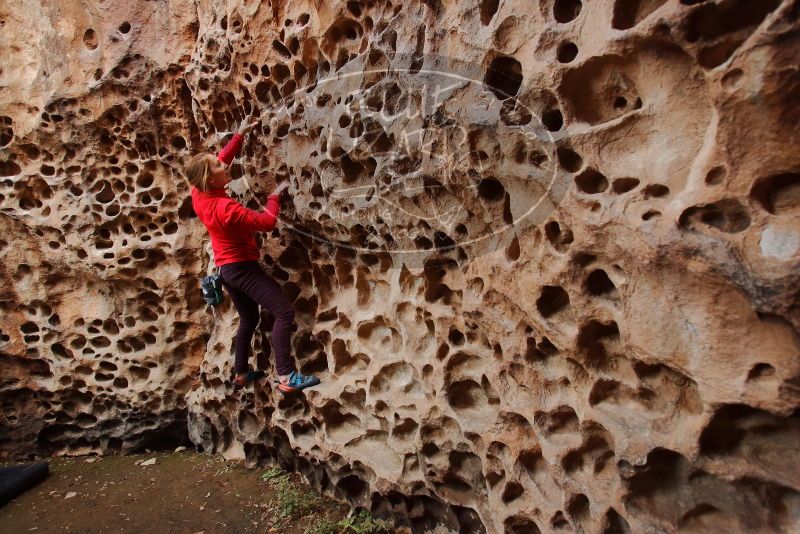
623, 185
120, 382
466, 395
761, 370
513, 251
105, 193
715, 20
732, 79
456, 337
263, 91
578, 508
591, 181
468, 519
518, 524
567, 51
353, 487
491, 189
125, 27
726, 215
504, 77
716, 175
650, 214
6, 135
178, 142
90, 39
488, 9
778, 194
552, 120
532, 461
598, 283
629, 13
512, 492
9, 168
729, 427
566, 10
558, 521
281, 49
139, 373
552, 300
186, 211
615, 523
656, 191
558, 238
281, 73
591, 340
601, 89
569, 160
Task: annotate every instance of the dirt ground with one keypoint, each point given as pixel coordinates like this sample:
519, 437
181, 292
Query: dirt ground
182, 493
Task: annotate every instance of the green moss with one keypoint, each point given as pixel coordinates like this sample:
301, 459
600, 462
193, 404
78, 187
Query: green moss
294, 502
323, 526
272, 473
291, 501
361, 522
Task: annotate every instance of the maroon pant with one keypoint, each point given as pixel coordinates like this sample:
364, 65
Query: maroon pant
249, 286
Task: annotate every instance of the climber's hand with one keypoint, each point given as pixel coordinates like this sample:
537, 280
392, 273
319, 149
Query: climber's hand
248, 123
280, 188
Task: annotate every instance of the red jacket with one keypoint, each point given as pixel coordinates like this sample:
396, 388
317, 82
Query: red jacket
231, 225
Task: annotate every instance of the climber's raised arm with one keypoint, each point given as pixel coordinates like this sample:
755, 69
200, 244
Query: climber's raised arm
245, 219
232, 148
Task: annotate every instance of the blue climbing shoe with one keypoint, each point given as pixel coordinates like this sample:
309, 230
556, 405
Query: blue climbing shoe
297, 382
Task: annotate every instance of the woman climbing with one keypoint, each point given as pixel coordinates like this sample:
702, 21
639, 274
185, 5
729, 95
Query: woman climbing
232, 227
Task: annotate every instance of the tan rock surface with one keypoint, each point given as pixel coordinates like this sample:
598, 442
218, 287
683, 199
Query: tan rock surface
544, 255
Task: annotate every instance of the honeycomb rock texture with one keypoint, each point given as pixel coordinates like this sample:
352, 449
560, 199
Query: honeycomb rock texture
562, 295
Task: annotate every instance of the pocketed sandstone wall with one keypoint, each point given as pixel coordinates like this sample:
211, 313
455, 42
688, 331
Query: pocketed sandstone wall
102, 327
544, 255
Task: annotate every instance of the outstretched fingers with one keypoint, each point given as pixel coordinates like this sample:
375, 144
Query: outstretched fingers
248, 123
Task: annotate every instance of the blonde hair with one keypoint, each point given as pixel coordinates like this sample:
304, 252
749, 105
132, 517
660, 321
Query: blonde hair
197, 171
